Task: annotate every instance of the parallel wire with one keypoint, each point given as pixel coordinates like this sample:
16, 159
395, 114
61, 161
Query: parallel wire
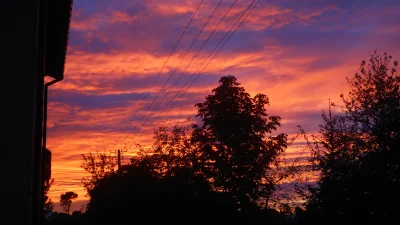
196, 77
176, 81
152, 85
187, 51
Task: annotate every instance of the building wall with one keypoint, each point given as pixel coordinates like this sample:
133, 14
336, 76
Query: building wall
22, 81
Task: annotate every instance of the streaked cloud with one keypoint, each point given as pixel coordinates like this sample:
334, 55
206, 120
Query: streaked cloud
296, 52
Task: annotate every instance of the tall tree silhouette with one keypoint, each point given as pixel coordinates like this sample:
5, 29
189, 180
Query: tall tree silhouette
199, 173
66, 200
235, 141
334, 156
373, 104
358, 152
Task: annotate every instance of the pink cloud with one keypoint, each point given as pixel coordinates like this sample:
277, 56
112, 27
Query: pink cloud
297, 54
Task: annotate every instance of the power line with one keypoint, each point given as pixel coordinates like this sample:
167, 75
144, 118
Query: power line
203, 63
162, 88
176, 81
196, 77
152, 85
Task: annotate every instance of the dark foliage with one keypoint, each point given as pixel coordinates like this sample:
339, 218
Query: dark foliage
225, 170
235, 142
136, 194
48, 203
98, 166
357, 153
66, 200
214, 173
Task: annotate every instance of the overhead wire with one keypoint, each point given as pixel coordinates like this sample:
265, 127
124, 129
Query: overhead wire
176, 81
173, 72
196, 77
155, 80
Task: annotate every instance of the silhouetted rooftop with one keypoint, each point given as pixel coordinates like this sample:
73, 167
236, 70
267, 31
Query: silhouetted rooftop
58, 21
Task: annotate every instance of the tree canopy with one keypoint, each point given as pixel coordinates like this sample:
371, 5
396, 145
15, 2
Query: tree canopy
357, 152
235, 141
98, 166
212, 171
66, 200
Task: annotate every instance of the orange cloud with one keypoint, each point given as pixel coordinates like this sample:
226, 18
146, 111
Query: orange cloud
299, 56
96, 20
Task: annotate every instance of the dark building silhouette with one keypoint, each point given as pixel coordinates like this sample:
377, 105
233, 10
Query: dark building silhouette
34, 43
46, 164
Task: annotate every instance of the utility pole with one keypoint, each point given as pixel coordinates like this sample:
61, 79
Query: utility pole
119, 153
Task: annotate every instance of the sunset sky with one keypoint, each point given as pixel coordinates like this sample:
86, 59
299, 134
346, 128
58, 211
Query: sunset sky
298, 53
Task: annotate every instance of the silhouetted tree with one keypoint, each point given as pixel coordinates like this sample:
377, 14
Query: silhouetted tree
171, 150
66, 200
334, 155
373, 104
98, 166
235, 141
358, 151
48, 203
198, 174
180, 197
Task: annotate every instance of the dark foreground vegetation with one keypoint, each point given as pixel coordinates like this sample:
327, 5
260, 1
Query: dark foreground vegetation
226, 169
